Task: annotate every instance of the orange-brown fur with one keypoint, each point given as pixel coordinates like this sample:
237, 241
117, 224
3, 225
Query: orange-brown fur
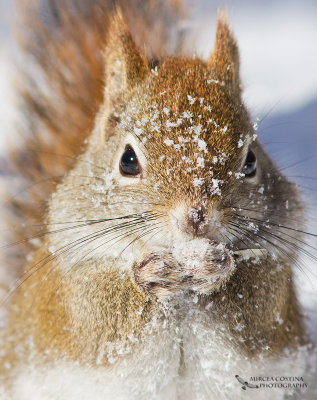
41, 314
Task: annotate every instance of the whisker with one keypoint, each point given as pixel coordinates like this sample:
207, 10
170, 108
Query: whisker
266, 225
297, 163
139, 237
92, 250
286, 244
70, 246
279, 225
84, 224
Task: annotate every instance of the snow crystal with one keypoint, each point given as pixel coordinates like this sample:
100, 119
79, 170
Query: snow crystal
168, 142
222, 158
170, 124
51, 249
209, 81
187, 160
239, 175
193, 214
138, 131
197, 129
240, 143
215, 189
155, 127
253, 227
191, 99
211, 121
279, 319
166, 110
198, 182
187, 114
144, 121
200, 162
35, 242
202, 145
181, 139
261, 189
239, 327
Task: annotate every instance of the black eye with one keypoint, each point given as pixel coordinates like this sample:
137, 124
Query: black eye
249, 168
129, 164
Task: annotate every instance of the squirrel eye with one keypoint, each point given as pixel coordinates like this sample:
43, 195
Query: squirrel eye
249, 168
129, 164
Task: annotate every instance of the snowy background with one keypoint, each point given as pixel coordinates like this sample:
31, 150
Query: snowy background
278, 49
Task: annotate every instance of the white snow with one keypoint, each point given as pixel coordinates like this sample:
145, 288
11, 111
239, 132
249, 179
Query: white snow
191, 99
200, 162
202, 145
168, 141
198, 182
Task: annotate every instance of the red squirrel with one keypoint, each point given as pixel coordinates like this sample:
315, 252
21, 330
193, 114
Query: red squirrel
163, 269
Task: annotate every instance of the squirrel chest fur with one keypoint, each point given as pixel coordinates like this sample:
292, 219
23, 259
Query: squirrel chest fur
162, 274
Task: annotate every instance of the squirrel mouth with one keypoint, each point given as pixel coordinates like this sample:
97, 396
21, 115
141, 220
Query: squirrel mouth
200, 265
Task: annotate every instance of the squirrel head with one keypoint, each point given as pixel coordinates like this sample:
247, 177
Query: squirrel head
182, 118
172, 158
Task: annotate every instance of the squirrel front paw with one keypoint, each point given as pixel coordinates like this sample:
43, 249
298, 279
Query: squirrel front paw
199, 265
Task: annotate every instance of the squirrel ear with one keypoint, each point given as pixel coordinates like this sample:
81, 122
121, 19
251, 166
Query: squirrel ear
125, 66
224, 60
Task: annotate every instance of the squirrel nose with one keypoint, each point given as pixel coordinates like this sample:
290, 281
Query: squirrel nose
197, 219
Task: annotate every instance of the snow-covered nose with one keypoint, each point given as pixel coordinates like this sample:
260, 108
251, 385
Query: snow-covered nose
190, 219
197, 219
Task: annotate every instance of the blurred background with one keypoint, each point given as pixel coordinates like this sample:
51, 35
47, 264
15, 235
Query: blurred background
278, 51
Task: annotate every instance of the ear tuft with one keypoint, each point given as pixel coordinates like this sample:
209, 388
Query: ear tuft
224, 60
125, 66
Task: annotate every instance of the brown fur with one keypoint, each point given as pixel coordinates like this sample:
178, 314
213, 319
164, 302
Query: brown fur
41, 314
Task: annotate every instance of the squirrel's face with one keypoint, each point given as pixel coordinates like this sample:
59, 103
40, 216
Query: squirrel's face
175, 172
178, 142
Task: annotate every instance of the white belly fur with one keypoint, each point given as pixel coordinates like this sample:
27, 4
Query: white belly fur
153, 372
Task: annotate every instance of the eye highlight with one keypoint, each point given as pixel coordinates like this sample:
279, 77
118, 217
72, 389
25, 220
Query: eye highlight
249, 168
129, 163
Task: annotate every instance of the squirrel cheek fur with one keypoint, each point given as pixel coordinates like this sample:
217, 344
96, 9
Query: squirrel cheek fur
166, 232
